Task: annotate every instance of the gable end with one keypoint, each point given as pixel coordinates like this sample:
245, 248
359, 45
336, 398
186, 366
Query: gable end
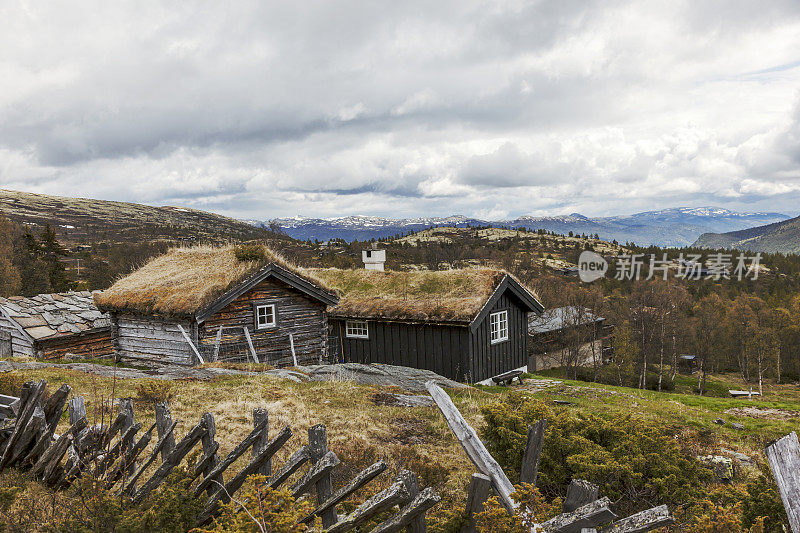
528, 301
272, 270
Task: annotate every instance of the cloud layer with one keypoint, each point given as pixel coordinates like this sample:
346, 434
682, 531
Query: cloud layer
259, 109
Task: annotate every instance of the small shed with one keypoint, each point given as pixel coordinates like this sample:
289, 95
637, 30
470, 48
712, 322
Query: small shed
687, 363
467, 325
570, 333
49, 326
192, 303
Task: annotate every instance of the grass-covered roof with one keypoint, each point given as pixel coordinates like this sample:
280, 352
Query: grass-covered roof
185, 281
446, 296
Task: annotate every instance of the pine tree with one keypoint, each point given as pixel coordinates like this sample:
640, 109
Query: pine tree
10, 279
51, 254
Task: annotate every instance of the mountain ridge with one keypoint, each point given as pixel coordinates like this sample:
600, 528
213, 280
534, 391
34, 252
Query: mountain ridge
84, 220
777, 237
679, 226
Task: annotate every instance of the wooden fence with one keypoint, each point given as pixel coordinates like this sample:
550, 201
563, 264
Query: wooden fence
117, 455
583, 508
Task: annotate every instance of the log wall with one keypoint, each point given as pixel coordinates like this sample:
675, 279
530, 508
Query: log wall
21, 345
305, 318
152, 339
89, 344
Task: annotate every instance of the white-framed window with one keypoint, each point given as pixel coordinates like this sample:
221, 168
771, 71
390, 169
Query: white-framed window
498, 325
356, 329
265, 316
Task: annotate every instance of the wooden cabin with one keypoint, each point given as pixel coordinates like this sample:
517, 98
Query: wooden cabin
203, 304
467, 325
568, 336
50, 326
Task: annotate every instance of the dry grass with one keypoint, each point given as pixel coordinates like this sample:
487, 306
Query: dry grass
184, 280
359, 432
449, 295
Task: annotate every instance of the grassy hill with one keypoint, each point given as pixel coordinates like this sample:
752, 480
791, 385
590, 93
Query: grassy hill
545, 241
82, 220
363, 429
779, 237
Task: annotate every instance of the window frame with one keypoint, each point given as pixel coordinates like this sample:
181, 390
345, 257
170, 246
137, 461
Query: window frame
348, 329
502, 316
256, 307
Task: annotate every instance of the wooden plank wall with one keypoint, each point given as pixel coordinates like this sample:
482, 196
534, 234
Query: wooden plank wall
440, 348
20, 345
305, 318
492, 359
152, 339
88, 344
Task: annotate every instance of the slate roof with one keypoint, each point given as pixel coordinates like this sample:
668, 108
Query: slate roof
559, 317
50, 316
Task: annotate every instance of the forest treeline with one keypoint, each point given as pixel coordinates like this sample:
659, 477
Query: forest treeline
751, 327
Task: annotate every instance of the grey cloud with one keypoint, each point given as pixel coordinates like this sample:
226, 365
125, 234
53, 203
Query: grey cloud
335, 105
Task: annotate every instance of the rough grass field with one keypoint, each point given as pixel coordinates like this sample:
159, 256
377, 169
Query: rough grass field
361, 431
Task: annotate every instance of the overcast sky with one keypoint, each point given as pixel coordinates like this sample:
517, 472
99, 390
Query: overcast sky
401, 108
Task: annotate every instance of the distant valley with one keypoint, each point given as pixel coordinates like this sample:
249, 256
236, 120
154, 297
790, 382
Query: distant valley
677, 227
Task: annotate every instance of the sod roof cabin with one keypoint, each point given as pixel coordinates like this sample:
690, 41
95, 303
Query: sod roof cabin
241, 303
467, 325
51, 326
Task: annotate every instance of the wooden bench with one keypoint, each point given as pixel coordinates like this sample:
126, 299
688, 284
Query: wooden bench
507, 377
743, 393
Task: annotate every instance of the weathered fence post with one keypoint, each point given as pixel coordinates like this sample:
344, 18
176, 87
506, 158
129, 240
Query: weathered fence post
260, 415
318, 447
126, 406
217, 342
579, 493
533, 452
784, 460
409, 478
478, 493
210, 456
77, 409
163, 425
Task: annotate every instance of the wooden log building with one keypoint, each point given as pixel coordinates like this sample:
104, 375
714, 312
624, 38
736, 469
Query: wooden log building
180, 307
467, 325
568, 336
50, 326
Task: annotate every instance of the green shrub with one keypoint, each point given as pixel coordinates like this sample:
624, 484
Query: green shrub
249, 252
763, 500
265, 509
170, 509
153, 391
630, 459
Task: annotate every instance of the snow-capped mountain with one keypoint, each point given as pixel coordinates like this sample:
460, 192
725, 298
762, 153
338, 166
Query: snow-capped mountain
679, 226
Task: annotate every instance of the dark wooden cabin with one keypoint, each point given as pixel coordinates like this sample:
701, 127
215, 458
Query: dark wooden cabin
203, 303
467, 325
50, 326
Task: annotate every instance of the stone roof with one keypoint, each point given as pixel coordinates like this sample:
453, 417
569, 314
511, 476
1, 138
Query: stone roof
49, 316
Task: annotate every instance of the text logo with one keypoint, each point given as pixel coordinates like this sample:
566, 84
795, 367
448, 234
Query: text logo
591, 266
